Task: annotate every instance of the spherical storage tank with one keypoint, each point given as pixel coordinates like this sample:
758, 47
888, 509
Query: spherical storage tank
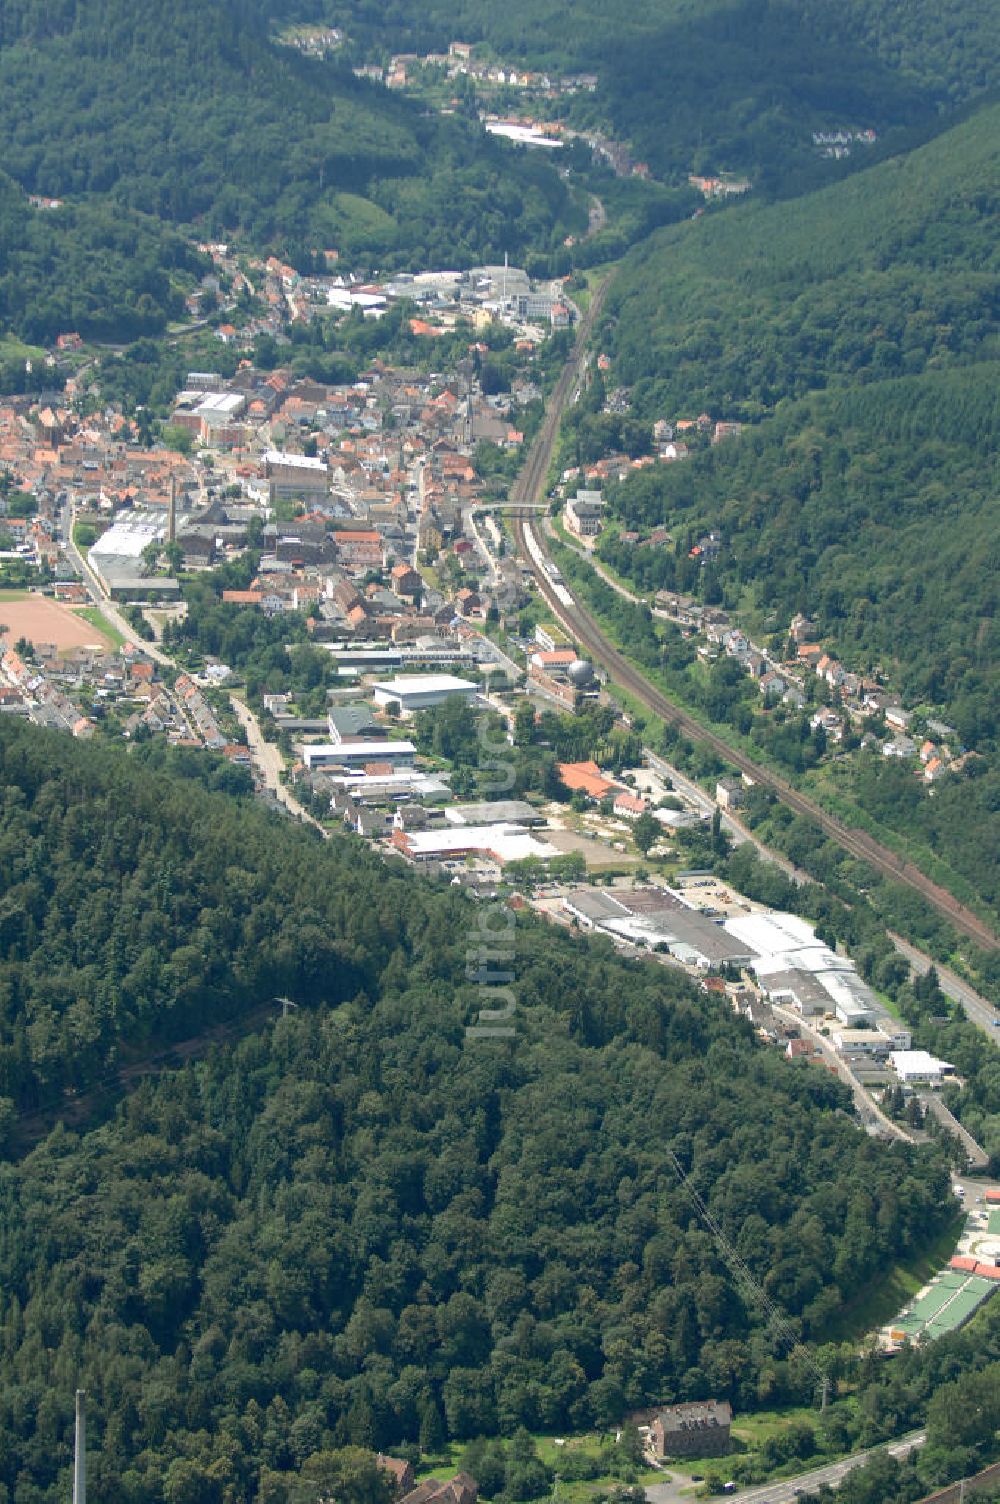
581, 673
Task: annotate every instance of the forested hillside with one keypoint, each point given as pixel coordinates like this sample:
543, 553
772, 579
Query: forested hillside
873, 510
855, 332
190, 114
106, 273
362, 1223
737, 84
884, 275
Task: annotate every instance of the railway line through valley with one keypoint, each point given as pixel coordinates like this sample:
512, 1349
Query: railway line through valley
529, 490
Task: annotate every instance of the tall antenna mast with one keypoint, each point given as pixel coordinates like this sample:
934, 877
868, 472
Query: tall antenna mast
80, 1451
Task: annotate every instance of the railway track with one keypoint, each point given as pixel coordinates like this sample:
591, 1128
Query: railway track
529, 488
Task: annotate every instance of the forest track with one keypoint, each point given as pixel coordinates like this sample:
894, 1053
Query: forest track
78, 1110
529, 489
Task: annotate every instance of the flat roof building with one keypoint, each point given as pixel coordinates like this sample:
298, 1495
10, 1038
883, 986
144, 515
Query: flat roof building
388, 788
412, 692
862, 1042
117, 558
799, 988
919, 1066
498, 843
496, 812
787, 947
659, 918
352, 754
591, 907
854, 1014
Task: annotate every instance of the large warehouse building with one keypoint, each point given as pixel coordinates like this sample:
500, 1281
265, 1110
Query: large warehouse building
412, 692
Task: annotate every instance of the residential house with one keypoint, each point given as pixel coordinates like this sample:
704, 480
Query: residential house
405, 580
830, 723
461, 1489
730, 793
468, 603
584, 514
400, 1471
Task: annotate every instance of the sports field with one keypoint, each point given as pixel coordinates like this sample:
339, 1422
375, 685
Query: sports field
945, 1305
42, 620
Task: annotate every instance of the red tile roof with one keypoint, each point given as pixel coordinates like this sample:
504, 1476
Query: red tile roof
587, 778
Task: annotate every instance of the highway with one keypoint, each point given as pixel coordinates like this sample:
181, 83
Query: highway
529, 489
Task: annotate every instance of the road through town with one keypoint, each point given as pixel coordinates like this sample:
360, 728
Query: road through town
268, 761
100, 600
267, 758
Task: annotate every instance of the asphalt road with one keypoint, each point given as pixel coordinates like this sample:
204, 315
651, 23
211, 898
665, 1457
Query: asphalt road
269, 763
804, 1483
979, 1010
110, 612
707, 805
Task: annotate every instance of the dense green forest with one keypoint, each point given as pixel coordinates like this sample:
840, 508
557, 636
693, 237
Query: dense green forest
737, 84
854, 333
884, 275
195, 117
104, 272
950, 46
360, 1217
874, 511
